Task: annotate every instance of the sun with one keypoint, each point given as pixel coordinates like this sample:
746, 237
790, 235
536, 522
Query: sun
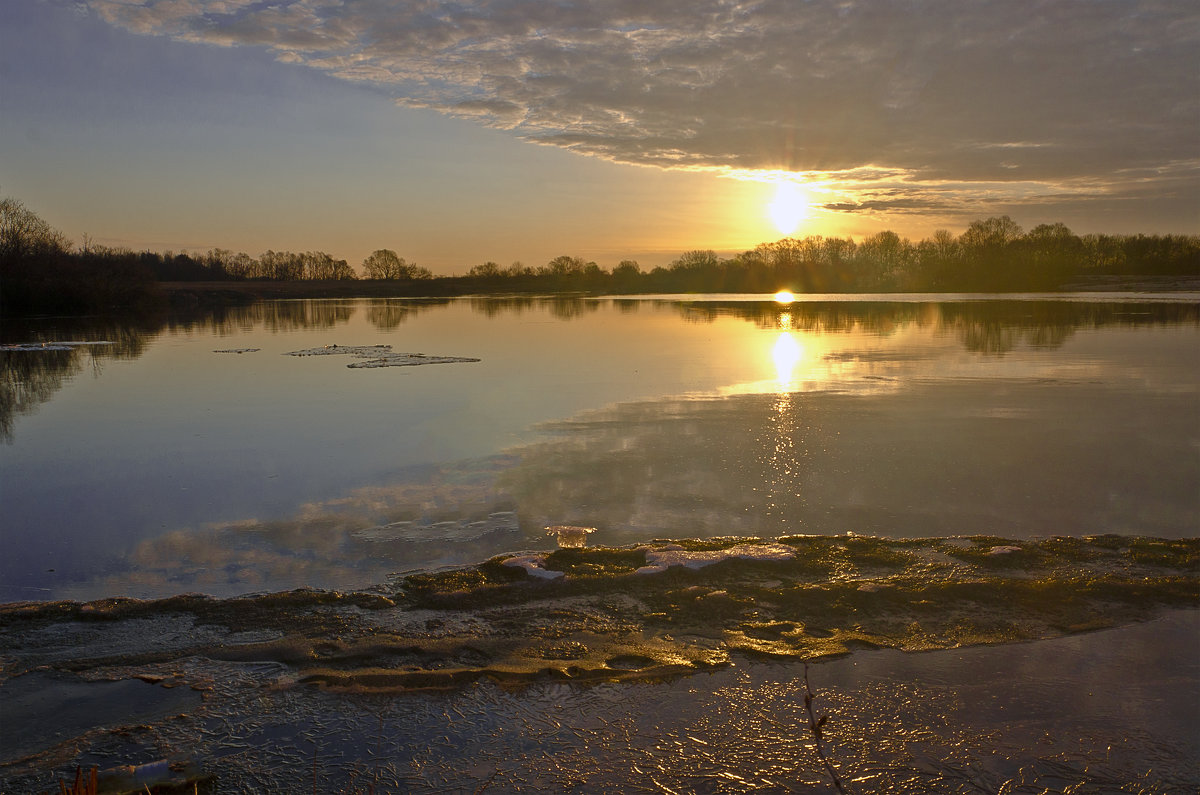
789, 207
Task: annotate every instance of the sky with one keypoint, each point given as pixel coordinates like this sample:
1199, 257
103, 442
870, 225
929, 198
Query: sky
457, 133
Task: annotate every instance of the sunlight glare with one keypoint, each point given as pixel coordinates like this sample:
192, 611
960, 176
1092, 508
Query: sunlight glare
784, 297
787, 354
788, 208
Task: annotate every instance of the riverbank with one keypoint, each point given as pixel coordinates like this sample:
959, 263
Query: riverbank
945, 665
1111, 711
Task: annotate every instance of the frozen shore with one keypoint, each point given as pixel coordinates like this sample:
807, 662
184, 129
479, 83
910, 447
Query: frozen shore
1047, 663
1114, 711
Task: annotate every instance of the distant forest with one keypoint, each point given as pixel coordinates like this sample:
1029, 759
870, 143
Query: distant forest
41, 271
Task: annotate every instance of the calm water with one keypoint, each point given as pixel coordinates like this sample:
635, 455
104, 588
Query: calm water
155, 465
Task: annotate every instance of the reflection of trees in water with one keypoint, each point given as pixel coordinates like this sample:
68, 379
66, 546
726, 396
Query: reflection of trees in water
269, 315
31, 377
1002, 326
495, 307
879, 319
981, 326
561, 307
388, 314
572, 308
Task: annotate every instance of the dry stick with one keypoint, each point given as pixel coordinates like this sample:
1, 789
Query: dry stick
815, 724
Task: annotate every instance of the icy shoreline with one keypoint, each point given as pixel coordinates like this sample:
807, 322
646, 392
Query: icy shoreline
1109, 710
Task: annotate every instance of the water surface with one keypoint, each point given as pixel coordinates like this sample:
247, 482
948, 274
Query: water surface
156, 465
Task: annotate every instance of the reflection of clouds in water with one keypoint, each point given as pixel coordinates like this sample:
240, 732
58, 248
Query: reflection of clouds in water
350, 542
958, 456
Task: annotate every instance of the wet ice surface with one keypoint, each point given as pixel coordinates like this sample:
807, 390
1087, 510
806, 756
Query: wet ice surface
659, 560
1111, 711
489, 675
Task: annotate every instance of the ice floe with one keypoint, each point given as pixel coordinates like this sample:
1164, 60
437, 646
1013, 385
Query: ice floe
57, 345
337, 350
659, 560
534, 565
379, 356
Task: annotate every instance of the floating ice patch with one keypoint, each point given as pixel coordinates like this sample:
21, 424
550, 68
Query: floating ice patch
659, 560
51, 346
534, 565
349, 350
408, 360
239, 350
379, 356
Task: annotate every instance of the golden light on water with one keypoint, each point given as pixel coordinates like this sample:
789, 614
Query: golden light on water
789, 207
785, 297
787, 353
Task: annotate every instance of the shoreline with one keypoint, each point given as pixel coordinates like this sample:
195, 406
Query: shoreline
1109, 709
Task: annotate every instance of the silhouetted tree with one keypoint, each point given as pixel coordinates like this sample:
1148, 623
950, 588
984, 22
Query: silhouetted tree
626, 276
385, 264
883, 261
488, 270
24, 235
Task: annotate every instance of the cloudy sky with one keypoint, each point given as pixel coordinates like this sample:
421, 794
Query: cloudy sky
459, 132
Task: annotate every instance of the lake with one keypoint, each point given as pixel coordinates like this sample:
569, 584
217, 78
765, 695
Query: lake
189, 453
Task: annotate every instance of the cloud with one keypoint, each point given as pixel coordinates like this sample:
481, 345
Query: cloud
1004, 93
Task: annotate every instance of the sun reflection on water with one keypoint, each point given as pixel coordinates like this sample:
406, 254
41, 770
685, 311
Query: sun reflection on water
786, 354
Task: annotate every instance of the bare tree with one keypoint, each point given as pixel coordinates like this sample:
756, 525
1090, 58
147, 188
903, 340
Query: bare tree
24, 234
386, 264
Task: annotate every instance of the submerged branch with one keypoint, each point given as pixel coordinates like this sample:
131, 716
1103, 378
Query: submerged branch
815, 724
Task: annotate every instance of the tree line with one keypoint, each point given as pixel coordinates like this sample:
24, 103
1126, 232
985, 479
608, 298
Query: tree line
39, 267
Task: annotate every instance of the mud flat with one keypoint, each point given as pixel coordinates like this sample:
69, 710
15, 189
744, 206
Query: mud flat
944, 665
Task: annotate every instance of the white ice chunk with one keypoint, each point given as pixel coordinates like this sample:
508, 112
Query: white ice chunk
534, 565
659, 560
570, 536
